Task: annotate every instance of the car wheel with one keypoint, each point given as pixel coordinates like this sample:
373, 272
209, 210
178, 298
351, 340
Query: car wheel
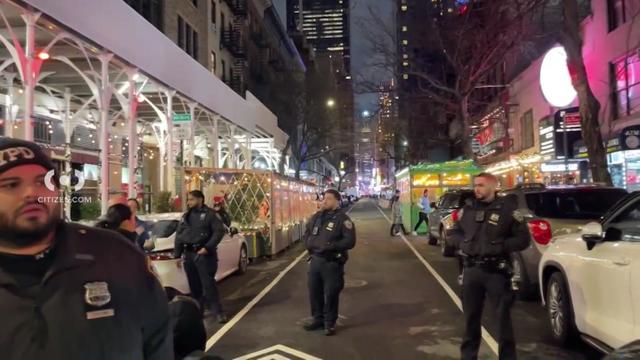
559, 310
432, 239
447, 250
524, 291
243, 262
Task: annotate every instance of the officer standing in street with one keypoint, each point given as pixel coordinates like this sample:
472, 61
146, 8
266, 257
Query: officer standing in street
69, 291
488, 231
330, 234
197, 238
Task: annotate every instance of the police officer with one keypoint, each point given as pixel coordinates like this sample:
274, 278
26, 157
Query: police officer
328, 237
197, 238
489, 229
69, 291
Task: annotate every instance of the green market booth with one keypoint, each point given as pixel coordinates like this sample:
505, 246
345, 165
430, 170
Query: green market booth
437, 178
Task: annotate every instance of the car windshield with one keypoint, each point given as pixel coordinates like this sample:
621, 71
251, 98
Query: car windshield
583, 204
164, 228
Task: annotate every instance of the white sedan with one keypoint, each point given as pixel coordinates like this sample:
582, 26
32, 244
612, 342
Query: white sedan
590, 280
232, 252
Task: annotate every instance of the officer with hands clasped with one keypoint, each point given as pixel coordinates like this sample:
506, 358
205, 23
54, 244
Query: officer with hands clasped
489, 229
329, 235
197, 238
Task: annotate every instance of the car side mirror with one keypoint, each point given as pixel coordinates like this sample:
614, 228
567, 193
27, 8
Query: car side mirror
233, 231
592, 234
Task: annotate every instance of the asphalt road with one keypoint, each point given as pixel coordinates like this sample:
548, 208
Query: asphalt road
393, 306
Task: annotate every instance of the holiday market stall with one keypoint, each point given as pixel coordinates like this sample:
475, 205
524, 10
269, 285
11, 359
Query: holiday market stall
271, 210
437, 178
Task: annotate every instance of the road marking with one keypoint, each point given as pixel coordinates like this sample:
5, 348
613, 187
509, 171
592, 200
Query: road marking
491, 342
275, 353
225, 329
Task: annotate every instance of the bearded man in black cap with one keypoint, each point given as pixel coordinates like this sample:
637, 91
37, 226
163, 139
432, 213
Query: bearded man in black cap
68, 291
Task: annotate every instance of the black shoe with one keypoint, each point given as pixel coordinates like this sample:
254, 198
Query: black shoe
329, 331
222, 319
313, 326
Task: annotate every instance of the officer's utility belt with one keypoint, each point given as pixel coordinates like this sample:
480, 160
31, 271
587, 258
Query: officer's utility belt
494, 263
337, 257
192, 247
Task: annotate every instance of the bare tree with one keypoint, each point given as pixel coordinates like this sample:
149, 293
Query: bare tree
458, 51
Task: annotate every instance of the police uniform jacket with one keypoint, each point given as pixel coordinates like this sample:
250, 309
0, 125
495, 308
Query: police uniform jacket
98, 300
490, 230
199, 227
330, 234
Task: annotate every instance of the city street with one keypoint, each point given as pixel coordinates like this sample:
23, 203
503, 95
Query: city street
399, 303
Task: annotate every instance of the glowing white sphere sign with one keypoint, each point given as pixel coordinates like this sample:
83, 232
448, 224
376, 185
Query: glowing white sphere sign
555, 79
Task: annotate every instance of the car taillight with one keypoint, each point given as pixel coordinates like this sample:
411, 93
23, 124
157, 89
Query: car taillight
161, 255
455, 215
540, 231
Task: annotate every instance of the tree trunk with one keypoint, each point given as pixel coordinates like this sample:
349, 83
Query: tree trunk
465, 120
571, 39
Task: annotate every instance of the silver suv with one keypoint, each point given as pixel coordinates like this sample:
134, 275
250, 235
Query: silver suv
551, 211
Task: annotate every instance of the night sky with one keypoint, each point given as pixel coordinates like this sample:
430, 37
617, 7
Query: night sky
360, 50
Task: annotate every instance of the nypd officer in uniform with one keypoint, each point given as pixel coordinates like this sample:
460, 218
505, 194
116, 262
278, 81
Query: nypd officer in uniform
197, 238
68, 291
328, 237
489, 230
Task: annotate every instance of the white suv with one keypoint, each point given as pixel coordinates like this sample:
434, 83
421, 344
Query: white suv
590, 280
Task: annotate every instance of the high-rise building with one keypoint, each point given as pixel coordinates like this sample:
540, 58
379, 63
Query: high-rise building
385, 134
421, 127
326, 26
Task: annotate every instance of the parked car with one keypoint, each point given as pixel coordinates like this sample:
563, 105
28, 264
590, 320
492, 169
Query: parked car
232, 252
552, 211
448, 203
590, 280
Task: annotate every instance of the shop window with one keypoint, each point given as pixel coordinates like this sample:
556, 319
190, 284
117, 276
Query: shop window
527, 130
626, 85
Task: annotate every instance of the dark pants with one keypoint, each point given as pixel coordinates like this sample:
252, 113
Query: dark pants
201, 274
423, 217
394, 229
479, 283
326, 281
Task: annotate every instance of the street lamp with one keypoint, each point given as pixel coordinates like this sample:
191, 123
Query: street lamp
366, 113
331, 103
405, 143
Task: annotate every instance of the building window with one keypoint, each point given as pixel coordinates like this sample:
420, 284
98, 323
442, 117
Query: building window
405, 42
404, 7
626, 85
213, 63
621, 11
195, 3
149, 9
187, 38
214, 12
404, 28
224, 70
527, 130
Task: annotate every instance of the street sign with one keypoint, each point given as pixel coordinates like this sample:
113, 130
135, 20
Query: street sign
182, 133
630, 138
181, 118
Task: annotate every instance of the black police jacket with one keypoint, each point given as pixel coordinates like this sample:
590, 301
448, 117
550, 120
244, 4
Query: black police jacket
487, 230
330, 235
199, 227
97, 301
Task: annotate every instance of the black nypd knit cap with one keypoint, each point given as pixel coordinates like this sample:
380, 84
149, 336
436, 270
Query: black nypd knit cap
16, 152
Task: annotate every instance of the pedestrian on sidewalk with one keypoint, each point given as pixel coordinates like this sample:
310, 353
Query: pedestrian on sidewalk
330, 234
197, 238
396, 215
488, 231
69, 291
425, 208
